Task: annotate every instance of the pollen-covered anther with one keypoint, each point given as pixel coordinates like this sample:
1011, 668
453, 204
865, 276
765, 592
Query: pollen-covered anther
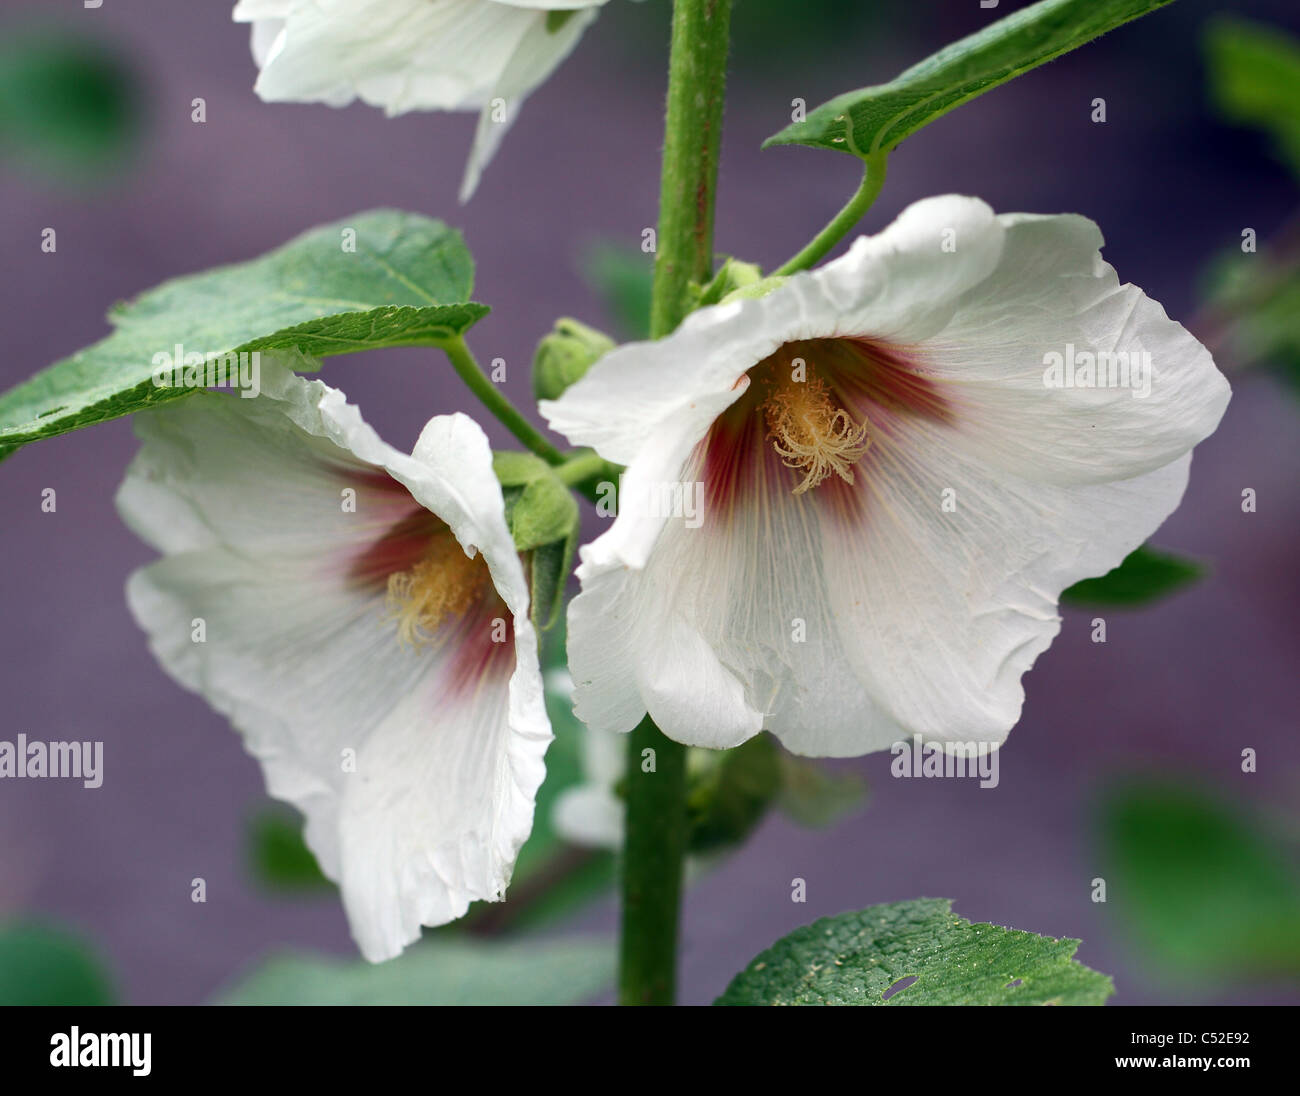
812, 433
445, 583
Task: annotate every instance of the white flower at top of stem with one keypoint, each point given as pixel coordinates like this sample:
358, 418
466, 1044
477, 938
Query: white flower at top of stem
895, 488
361, 616
403, 55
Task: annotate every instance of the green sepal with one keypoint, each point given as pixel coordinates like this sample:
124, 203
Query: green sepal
550, 564
755, 290
544, 522
734, 274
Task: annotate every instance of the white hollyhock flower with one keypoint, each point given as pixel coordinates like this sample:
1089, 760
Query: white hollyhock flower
407, 55
895, 491
362, 618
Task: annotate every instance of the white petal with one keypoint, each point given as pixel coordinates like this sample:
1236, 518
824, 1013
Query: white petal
267, 38
1053, 294
539, 52
551, 5
938, 615
397, 54
249, 11
244, 497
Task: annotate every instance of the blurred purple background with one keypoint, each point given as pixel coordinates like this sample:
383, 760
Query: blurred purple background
1182, 686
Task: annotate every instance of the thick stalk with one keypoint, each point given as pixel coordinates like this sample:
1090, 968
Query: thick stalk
655, 843
697, 76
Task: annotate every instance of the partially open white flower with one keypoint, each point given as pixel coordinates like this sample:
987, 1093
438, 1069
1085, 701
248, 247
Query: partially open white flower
402, 55
903, 458
362, 618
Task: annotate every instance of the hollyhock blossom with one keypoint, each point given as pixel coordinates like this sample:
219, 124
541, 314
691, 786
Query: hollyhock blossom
405, 55
361, 616
898, 475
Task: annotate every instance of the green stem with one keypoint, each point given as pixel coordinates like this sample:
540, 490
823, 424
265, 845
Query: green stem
654, 850
478, 382
654, 847
697, 76
873, 178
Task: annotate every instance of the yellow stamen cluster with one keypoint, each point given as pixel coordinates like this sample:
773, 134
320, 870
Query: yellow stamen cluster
444, 583
812, 433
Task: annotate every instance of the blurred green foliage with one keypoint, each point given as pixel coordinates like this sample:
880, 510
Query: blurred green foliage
1207, 891
41, 964
621, 277
441, 972
70, 107
1254, 76
815, 796
1145, 575
1253, 291
729, 792
277, 855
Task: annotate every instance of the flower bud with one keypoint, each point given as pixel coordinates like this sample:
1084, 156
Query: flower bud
565, 355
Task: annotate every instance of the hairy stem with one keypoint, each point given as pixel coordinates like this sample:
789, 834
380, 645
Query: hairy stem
697, 77
655, 843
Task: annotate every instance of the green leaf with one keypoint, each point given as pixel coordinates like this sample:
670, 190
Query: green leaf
42, 965
405, 284
1254, 308
279, 857
1144, 576
623, 278
813, 795
1203, 886
437, 972
1255, 81
877, 119
854, 958
69, 106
